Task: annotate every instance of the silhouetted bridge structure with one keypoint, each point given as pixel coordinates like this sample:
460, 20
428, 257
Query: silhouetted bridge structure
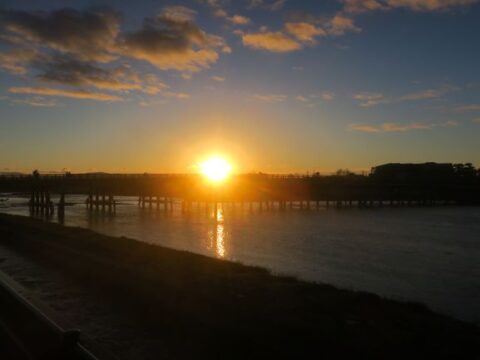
267, 191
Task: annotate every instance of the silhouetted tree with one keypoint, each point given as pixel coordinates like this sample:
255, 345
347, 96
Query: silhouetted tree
465, 170
343, 172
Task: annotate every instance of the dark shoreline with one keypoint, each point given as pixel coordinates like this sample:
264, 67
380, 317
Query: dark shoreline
208, 308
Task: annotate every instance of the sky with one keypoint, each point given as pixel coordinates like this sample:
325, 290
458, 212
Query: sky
276, 86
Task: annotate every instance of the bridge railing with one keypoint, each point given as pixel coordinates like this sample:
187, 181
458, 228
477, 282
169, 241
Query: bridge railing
32, 331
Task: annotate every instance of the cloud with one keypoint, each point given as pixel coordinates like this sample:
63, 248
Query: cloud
226, 49
426, 94
273, 5
450, 123
218, 78
177, 95
36, 101
68, 71
327, 95
172, 42
178, 13
166, 96
302, 99
16, 61
239, 19
276, 5
362, 6
252, 4
341, 24
324, 95
76, 94
220, 12
90, 35
304, 32
364, 128
270, 98
428, 5
476, 121
310, 99
291, 38
468, 108
270, 41
397, 127
234, 19
152, 102
78, 49
368, 99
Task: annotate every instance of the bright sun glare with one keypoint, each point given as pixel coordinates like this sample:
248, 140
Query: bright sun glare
215, 169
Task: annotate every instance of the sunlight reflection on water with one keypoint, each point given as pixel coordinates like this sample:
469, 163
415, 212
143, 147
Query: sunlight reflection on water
220, 239
216, 235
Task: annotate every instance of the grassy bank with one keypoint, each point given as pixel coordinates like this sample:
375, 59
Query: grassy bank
207, 308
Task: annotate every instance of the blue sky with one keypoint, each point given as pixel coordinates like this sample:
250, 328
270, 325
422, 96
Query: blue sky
275, 86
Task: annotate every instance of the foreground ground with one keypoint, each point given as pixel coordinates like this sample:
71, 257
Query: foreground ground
162, 303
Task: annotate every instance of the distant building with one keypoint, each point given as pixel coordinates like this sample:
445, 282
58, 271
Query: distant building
418, 173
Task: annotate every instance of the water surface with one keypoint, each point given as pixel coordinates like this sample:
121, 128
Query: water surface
429, 255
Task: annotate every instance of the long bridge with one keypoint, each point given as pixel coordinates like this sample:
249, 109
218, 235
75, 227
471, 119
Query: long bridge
279, 191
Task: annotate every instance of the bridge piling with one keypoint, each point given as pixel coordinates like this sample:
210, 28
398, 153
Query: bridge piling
61, 206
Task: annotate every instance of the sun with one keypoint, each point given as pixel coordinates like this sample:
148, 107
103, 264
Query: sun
215, 169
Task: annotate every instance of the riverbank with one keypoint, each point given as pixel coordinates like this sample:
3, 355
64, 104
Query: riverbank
207, 308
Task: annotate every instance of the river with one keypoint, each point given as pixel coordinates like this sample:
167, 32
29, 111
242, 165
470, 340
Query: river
429, 255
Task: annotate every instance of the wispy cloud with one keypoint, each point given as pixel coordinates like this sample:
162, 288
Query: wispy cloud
218, 78
292, 37
271, 5
344, 20
398, 127
177, 95
36, 101
311, 99
239, 19
271, 41
219, 11
270, 98
368, 99
468, 108
341, 24
327, 95
16, 61
427, 94
362, 6
304, 32
76, 94
428, 5
302, 99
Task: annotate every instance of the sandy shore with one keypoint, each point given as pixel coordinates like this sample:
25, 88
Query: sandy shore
180, 305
